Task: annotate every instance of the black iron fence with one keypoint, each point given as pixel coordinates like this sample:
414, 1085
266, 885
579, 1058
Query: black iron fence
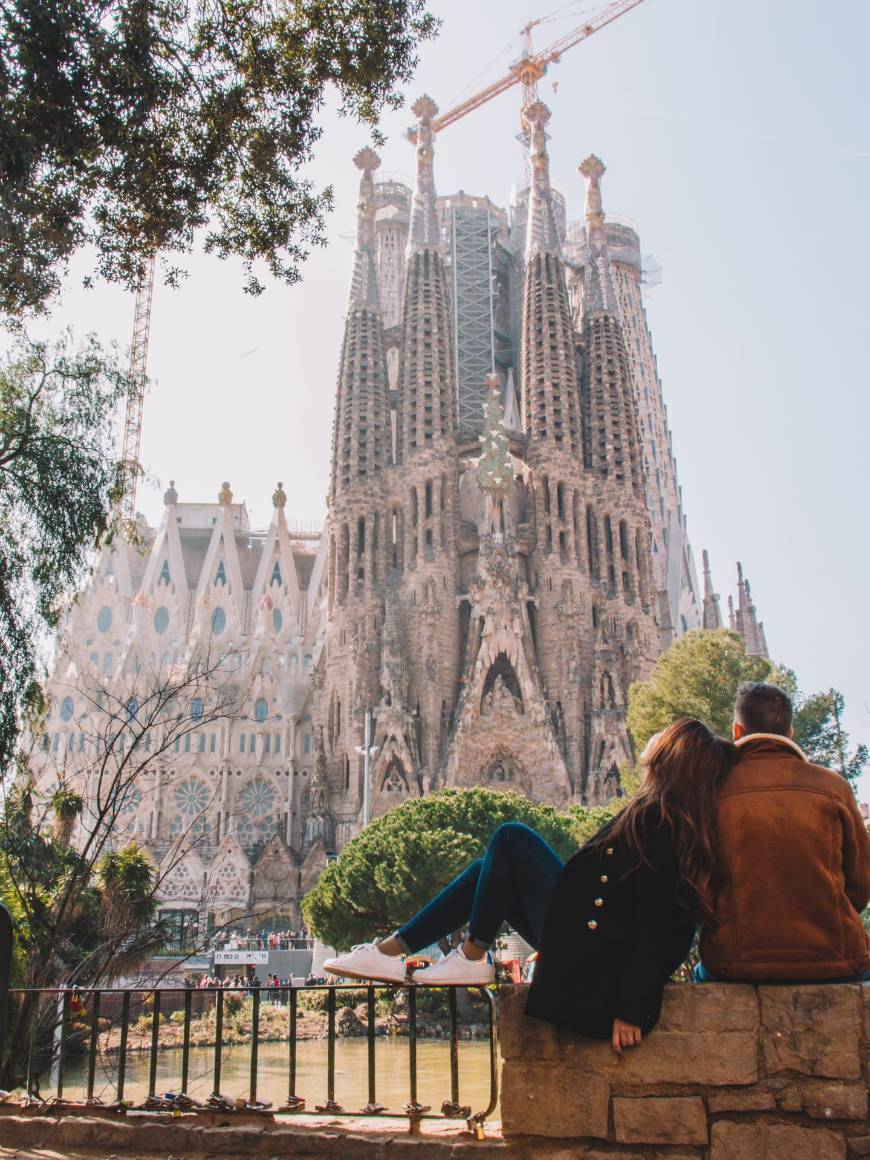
86, 1029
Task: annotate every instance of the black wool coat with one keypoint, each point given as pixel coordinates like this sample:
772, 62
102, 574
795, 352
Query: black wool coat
613, 936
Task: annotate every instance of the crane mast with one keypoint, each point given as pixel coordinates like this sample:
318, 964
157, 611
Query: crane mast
136, 392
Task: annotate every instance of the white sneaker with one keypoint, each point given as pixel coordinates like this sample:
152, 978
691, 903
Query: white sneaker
455, 970
366, 961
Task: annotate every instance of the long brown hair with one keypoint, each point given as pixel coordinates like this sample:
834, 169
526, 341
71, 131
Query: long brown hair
685, 767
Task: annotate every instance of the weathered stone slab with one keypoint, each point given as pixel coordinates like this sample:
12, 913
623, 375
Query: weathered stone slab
660, 1120
542, 1100
733, 1141
526, 1038
670, 1057
741, 1100
709, 1007
827, 1101
813, 1030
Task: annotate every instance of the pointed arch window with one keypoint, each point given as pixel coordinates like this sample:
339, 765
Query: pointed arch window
261, 709
164, 577
66, 709
220, 575
218, 621
277, 619
161, 620
276, 574
104, 619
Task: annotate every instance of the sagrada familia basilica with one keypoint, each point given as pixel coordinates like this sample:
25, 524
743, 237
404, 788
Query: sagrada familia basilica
504, 553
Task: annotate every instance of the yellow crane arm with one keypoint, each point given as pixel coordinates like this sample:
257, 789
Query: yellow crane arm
530, 68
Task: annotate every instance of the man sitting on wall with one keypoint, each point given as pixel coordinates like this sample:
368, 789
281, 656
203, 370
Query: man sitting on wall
795, 859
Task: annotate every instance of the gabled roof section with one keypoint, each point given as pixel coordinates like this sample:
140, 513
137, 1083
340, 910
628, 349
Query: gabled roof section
222, 548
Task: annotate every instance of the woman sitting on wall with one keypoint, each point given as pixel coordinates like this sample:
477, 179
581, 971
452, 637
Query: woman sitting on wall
611, 926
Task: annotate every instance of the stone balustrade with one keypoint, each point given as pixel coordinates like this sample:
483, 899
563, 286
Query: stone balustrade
732, 1072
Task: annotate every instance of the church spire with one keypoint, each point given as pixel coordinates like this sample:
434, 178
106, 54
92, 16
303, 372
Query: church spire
426, 412
747, 622
549, 382
364, 282
609, 404
361, 428
712, 615
598, 293
541, 233
423, 230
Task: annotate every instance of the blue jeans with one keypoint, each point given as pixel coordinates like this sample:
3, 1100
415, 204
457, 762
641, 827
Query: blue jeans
513, 882
700, 974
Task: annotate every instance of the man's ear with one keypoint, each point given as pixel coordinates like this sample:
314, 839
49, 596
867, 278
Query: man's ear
739, 731
791, 732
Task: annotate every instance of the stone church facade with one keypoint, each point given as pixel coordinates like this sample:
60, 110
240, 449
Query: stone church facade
485, 590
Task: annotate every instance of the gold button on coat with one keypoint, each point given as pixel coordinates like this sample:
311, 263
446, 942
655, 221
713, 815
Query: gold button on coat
599, 901
609, 851
603, 879
592, 924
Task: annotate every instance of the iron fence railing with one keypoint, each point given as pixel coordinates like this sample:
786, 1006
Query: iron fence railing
76, 1025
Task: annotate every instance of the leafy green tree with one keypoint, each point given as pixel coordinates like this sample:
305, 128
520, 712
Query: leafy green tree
818, 727
129, 125
698, 676
57, 477
397, 863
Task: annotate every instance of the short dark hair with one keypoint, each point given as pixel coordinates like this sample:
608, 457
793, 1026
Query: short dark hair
762, 708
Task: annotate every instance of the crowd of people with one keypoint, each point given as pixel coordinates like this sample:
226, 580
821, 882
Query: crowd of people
274, 989
263, 940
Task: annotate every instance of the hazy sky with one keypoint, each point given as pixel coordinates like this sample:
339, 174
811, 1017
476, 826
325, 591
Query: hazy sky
736, 139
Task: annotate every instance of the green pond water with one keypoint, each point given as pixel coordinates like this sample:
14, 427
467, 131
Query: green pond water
351, 1082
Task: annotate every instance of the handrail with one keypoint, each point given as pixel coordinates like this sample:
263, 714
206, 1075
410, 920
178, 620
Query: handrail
95, 1004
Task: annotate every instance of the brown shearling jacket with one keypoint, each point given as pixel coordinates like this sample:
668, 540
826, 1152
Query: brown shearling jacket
796, 859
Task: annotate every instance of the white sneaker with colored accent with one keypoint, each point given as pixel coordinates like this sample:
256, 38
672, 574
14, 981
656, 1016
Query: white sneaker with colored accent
367, 961
455, 970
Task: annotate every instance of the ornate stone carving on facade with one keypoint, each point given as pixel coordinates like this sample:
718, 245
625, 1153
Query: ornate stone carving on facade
275, 878
396, 765
568, 609
229, 877
319, 824
181, 878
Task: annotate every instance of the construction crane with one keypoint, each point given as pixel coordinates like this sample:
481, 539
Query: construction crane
527, 71
532, 66
136, 392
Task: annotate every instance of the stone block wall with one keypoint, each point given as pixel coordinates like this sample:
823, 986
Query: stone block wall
732, 1072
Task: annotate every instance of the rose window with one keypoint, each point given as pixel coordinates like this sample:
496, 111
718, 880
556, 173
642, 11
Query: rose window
258, 798
191, 798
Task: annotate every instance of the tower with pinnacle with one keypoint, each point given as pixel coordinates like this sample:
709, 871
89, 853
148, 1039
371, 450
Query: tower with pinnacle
490, 599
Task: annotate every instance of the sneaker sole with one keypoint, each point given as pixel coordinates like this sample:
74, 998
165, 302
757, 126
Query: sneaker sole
345, 974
